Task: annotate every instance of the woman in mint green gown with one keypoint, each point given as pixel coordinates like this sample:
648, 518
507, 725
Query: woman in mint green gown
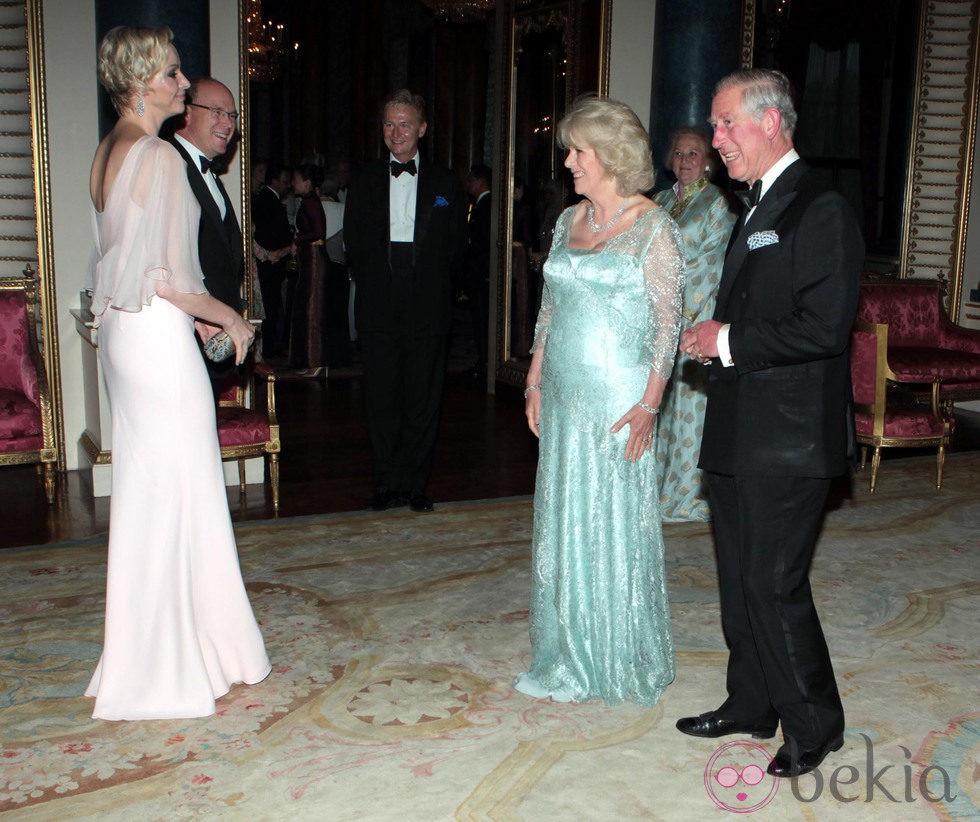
604, 347
705, 221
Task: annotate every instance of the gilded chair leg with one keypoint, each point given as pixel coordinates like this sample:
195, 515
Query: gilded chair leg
940, 459
47, 476
241, 477
875, 462
274, 482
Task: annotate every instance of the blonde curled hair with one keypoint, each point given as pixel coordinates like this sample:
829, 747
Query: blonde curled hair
128, 57
614, 132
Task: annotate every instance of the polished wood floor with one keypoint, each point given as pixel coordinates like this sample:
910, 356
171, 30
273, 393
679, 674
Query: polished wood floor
484, 451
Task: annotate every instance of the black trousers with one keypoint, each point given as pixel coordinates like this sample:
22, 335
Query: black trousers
271, 278
778, 666
403, 379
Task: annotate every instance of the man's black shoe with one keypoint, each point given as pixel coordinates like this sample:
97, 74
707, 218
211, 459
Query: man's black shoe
711, 725
785, 765
420, 503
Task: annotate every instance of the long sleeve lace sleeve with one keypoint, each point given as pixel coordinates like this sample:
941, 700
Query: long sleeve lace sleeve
559, 239
663, 273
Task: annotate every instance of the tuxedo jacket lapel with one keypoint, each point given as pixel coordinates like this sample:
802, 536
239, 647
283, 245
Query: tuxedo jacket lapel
203, 194
776, 200
424, 198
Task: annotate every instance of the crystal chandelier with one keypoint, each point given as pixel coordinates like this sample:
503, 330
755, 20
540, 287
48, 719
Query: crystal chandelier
461, 11
266, 44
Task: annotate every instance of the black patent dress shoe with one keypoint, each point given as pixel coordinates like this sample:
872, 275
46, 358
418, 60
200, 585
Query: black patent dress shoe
785, 765
420, 503
711, 725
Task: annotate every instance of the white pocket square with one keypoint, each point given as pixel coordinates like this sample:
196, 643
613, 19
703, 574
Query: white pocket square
760, 239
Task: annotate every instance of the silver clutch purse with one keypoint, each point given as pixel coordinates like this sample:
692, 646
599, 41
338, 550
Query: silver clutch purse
219, 347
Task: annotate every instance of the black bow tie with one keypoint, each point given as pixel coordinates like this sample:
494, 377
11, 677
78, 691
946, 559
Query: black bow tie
206, 164
751, 196
397, 168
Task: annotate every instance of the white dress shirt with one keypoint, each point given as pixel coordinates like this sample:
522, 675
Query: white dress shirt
209, 179
402, 193
784, 162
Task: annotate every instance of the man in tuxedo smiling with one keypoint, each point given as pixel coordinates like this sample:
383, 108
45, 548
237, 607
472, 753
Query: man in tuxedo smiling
405, 233
208, 126
778, 424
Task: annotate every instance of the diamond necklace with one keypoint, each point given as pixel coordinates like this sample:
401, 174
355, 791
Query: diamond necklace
590, 216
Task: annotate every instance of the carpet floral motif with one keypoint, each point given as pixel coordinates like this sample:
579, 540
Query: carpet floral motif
394, 640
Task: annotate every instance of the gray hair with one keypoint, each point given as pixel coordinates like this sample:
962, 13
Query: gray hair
698, 133
763, 89
615, 133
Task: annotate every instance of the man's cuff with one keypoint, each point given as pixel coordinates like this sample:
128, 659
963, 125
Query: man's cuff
724, 351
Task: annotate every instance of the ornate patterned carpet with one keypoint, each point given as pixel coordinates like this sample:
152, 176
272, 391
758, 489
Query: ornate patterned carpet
394, 638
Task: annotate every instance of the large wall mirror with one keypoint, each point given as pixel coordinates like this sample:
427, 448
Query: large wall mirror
554, 52
887, 94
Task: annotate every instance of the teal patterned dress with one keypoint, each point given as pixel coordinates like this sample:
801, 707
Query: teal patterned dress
705, 222
599, 622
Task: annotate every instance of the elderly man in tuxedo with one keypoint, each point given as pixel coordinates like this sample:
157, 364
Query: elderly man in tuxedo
778, 424
405, 232
208, 126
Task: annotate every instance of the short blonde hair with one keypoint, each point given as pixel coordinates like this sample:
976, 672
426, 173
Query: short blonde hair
128, 57
615, 133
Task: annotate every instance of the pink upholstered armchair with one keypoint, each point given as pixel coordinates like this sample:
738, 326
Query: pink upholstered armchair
245, 431
923, 345
26, 422
881, 421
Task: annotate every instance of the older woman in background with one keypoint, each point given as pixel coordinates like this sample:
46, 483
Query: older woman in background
705, 221
306, 338
603, 350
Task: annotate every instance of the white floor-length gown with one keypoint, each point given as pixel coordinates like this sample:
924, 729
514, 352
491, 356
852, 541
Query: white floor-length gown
179, 628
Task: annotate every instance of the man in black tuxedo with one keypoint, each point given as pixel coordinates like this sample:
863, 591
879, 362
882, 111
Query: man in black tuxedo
208, 126
477, 276
405, 233
274, 236
778, 424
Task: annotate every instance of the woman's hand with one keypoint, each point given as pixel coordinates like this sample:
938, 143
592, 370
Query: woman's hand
205, 330
640, 438
241, 333
532, 409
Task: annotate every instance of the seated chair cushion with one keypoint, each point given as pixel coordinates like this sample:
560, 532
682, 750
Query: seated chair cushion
16, 366
241, 426
19, 418
922, 364
904, 422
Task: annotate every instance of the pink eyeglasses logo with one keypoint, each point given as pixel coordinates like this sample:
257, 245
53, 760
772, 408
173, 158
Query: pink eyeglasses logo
736, 779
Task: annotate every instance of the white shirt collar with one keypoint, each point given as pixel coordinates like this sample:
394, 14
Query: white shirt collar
778, 168
192, 149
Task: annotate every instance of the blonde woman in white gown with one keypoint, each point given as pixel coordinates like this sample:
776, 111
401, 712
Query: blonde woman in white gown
179, 629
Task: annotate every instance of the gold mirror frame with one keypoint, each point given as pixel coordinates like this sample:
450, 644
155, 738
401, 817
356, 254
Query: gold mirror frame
42, 206
521, 17
940, 167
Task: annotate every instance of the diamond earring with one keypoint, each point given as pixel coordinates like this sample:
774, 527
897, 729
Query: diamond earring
140, 107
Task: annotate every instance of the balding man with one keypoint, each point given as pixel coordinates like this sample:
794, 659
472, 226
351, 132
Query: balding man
208, 126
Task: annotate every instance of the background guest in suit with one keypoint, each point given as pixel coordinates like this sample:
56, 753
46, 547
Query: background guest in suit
336, 331
209, 123
705, 221
477, 274
405, 231
778, 424
306, 338
274, 234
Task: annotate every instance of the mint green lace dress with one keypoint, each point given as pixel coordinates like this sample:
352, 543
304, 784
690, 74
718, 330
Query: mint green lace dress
599, 623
